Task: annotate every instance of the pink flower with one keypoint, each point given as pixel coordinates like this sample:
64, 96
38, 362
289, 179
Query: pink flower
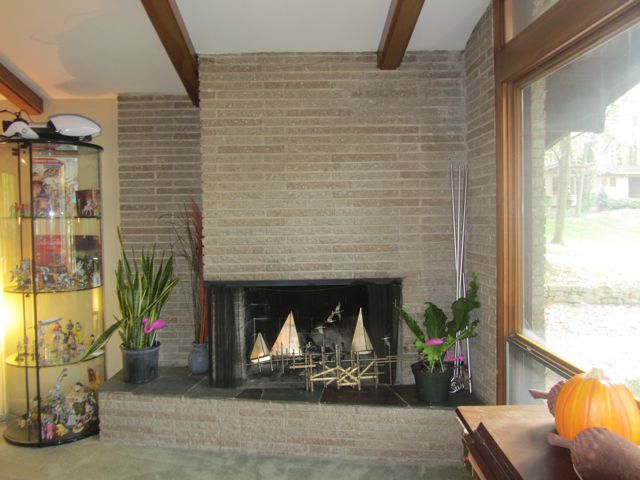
450, 358
155, 325
432, 342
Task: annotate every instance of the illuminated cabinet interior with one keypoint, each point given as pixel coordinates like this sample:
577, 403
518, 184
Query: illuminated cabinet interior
51, 289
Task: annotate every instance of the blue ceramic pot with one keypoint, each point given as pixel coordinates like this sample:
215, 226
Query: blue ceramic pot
198, 360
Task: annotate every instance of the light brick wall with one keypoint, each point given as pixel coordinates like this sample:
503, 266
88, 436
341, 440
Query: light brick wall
160, 169
323, 166
398, 434
481, 240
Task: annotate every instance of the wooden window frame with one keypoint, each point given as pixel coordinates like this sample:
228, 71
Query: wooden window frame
566, 30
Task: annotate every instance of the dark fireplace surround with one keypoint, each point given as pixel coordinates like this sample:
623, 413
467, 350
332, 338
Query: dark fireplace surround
245, 308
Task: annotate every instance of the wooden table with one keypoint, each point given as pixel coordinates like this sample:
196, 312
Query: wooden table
510, 442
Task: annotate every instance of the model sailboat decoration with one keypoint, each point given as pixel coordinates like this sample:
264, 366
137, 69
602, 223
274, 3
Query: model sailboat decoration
287, 342
361, 341
260, 352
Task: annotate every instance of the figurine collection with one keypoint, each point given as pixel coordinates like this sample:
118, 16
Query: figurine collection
56, 344
84, 274
63, 415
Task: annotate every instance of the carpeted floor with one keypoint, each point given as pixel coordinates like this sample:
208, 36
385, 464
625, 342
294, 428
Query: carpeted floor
92, 459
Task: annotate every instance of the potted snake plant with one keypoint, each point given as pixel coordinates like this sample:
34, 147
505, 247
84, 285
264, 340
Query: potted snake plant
142, 291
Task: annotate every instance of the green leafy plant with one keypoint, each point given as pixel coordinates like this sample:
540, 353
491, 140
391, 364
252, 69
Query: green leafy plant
142, 291
440, 334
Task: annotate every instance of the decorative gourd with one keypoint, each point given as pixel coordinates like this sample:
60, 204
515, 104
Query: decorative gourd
598, 454
592, 400
551, 396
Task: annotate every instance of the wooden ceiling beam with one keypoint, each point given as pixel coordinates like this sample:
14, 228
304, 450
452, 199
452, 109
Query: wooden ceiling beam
401, 20
18, 93
166, 19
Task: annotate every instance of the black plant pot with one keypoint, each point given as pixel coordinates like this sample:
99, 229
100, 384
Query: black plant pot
432, 387
140, 365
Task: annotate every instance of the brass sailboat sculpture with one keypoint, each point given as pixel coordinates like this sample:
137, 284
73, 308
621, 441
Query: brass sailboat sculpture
361, 341
287, 342
260, 352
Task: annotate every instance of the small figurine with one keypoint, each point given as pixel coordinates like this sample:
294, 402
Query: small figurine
61, 430
47, 429
77, 331
57, 328
21, 274
41, 333
72, 419
24, 421
94, 379
64, 282
56, 394
57, 340
79, 275
89, 208
46, 277
58, 413
20, 355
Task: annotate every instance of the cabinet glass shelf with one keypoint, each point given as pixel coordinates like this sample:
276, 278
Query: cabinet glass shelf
17, 360
52, 290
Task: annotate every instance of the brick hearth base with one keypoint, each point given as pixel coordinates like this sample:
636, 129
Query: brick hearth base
178, 410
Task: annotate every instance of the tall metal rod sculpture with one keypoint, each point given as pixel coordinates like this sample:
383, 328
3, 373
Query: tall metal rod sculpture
459, 186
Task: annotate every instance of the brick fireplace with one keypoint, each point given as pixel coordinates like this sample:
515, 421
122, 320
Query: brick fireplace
321, 166
314, 166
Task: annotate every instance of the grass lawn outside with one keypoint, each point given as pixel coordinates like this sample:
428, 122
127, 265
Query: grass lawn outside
600, 249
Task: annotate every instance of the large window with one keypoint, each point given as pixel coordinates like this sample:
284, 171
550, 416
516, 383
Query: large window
523, 12
581, 240
569, 217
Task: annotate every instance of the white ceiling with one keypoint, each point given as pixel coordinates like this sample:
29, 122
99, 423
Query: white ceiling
99, 48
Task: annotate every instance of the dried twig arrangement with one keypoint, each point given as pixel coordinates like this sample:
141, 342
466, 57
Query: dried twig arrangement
189, 235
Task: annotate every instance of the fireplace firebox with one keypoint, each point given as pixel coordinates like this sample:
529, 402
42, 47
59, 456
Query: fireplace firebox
255, 322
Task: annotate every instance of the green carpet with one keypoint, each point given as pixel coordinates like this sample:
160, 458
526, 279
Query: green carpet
92, 459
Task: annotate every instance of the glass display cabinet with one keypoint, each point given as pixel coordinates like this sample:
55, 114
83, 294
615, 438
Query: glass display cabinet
51, 305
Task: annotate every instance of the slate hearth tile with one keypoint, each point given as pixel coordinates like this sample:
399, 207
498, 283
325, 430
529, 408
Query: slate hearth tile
292, 395
250, 393
408, 394
367, 396
170, 382
203, 390
117, 384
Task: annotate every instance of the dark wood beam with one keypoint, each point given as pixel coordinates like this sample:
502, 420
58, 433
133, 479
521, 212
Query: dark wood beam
18, 93
167, 21
401, 20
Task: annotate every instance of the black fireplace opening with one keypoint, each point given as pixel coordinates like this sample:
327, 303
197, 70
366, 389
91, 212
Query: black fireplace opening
324, 314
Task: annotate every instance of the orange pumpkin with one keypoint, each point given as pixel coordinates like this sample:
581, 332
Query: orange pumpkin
592, 400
